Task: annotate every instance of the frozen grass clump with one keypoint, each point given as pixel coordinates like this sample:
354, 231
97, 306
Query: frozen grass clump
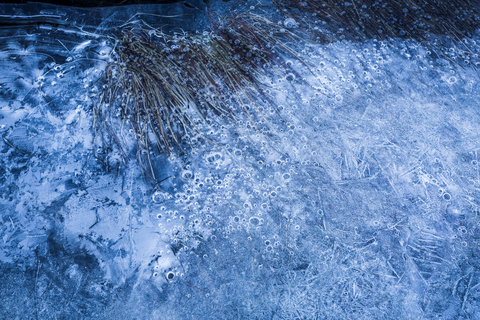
165, 88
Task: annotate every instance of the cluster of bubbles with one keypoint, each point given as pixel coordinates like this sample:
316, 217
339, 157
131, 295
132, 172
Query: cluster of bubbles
319, 192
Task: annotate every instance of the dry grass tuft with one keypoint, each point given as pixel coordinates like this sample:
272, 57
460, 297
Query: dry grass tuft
161, 88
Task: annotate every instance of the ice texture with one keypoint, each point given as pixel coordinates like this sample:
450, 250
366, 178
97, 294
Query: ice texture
357, 200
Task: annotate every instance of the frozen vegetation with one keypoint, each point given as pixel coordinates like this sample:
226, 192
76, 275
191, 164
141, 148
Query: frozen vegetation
359, 199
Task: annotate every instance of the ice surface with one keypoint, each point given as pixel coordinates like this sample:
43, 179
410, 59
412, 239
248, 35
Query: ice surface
360, 201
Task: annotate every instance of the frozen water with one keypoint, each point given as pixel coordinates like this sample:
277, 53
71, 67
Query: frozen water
358, 198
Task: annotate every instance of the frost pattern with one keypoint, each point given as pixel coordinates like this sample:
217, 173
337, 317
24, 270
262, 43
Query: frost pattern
361, 200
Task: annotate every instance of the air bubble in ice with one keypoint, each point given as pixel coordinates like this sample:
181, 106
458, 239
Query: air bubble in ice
187, 174
452, 80
158, 197
254, 221
290, 23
